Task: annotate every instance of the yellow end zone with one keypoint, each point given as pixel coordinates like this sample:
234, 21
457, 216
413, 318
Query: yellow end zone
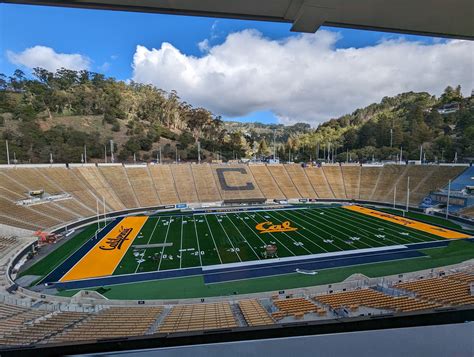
428, 228
107, 254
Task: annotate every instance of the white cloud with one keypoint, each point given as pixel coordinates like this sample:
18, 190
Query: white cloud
46, 57
104, 67
204, 45
304, 77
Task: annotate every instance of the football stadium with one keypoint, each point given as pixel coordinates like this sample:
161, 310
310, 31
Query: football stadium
211, 201
245, 245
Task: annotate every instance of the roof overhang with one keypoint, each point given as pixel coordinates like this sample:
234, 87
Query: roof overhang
442, 18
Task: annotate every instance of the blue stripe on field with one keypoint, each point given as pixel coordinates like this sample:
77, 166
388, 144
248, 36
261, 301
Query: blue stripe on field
303, 261
130, 278
66, 265
256, 272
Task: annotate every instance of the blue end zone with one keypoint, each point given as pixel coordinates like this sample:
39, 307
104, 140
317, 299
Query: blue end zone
67, 264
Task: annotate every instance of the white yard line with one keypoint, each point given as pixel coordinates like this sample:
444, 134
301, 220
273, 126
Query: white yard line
197, 239
359, 228
181, 245
245, 240
212, 236
331, 227
228, 238
416, 235
250, 228
149, 239
286, 234
288, 249
164, 245
302, 235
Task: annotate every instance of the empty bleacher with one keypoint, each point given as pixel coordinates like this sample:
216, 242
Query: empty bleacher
118, 181
111, 323
296, 307
164, 184
184, 181
319, 182
447, 290
31, 179
205, 184
387, 179
240, 180
437, 180
266, 183
145, 186
198, 317
369, 175
284, 182
300, 180
93, 178
6, 243
71, 184
40, 329
27, 326
254, 313
352, 300
142, 185
26, 214
334, 177
464, 178
468, 212
351, 178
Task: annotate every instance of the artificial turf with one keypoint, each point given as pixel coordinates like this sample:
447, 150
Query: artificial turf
194, 287
53, 259
192, 240
211, 239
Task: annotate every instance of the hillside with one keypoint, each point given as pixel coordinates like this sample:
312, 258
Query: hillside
61, 112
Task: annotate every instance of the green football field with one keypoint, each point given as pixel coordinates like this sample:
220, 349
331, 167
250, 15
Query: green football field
177, 240
184, 241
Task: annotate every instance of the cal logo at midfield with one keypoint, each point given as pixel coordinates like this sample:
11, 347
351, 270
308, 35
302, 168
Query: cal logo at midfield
269, 227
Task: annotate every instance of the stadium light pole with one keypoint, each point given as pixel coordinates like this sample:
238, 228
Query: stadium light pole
8, 153
199, 151
447, 201
97, 205
112, 159
394, 195
408, 193
274, 147
105, 214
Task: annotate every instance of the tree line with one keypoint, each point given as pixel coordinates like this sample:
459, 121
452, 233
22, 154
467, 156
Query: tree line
145, 120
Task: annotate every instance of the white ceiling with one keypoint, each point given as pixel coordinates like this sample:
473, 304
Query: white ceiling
446, 18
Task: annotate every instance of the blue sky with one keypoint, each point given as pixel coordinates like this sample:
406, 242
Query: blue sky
111, 38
